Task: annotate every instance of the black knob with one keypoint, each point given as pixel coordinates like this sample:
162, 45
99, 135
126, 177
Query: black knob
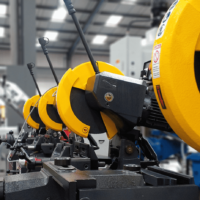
11, 132
64, 162
132, 167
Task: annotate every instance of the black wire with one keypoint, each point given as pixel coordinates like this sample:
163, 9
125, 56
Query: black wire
135, 21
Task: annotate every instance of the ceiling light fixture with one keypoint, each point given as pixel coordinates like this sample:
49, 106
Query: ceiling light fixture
99, 39
113, 20
3, 10
2, 32
128, 2
143, 42
59, 15
51, 35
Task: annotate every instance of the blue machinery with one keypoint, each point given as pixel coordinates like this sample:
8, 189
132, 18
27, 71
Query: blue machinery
168, 144
195, 158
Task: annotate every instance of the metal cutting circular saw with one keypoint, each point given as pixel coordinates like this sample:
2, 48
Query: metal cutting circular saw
72, 106
45, 111
176, 70
32, 117
48, 112
176, 84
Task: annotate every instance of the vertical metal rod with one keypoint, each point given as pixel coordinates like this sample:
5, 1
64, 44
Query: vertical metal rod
30, 67
52, 69
72, 12
43, 44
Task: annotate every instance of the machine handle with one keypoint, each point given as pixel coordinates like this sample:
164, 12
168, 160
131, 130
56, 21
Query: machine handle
30, 67
72, 12
43, 42
70, 7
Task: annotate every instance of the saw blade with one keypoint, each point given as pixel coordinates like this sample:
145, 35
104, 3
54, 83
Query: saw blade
71, 103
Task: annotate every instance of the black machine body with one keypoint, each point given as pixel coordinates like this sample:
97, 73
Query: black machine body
121, 98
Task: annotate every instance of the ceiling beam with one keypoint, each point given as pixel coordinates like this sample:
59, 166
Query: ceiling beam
95, 23
125, 14
5, 25
89, 33
101, 13
7, 45
140, 2
46, 7
85, 28
4, 48
4, 2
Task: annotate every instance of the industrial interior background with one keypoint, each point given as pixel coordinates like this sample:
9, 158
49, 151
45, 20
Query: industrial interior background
104, 23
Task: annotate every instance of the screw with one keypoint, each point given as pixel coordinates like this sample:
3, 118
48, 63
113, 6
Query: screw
86, 167
129, 149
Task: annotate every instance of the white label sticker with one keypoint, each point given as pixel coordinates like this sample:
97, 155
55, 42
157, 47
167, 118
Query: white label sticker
162, 27
156, 61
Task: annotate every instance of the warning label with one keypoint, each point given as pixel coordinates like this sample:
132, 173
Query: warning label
164, 22
156, 61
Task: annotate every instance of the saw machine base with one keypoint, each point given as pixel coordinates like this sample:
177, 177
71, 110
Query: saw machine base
60, 179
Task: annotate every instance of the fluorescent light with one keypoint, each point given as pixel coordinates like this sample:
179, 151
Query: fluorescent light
51, 35
3, 9
59, 15
128, 2
113, 20
143, 42
2, 32
99, 39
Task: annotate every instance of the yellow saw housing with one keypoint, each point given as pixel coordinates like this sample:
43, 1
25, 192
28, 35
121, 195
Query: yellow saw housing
173, 69
26, 111
78, 78
49, 98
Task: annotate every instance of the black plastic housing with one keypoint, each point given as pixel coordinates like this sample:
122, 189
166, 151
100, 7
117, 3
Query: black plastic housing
128, 95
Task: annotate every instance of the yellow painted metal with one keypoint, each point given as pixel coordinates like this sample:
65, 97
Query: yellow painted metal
177, 76
49, 98
78, 78
26, 111
110, 126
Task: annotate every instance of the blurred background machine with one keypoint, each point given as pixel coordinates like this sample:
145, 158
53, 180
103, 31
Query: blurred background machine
130, 53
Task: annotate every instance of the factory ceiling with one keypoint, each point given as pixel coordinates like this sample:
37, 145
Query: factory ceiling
103, 21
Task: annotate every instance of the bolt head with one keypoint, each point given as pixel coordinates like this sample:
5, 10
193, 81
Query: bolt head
129, 149
11, 132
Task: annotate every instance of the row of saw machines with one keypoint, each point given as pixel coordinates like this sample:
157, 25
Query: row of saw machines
58, 158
